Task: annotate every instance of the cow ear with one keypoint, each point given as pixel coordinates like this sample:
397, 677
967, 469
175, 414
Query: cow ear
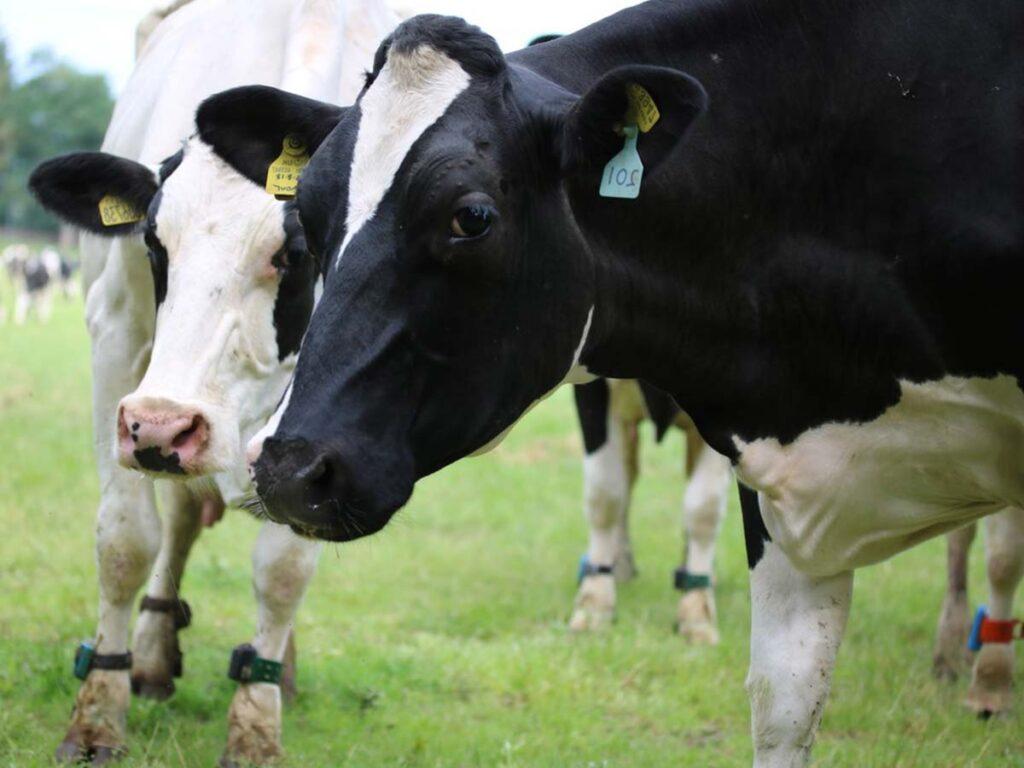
247, 126
102, 193
592, 129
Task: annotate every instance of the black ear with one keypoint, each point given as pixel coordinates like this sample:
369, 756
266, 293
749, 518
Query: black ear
247, 126
76, 186
590, 130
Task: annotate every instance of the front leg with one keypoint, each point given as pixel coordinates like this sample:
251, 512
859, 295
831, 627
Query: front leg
797, 624
283, 563
951, 654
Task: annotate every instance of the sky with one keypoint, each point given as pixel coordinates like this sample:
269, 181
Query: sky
98, 35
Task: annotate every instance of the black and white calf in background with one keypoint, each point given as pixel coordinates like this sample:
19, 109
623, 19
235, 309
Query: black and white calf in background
198, 291
610, 412
33, 277
822, 267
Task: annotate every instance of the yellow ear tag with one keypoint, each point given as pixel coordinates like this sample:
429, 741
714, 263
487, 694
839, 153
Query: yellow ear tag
643, 112
116, 210
283, 173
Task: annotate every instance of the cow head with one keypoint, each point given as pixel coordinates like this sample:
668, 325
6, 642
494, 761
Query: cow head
462, 289
234, 288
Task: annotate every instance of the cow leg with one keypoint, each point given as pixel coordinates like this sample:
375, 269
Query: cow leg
606, 492
951, 654
22, 302
283, 564
796, 628
156, 655
44, 304
704, 506
119, 316
990, 691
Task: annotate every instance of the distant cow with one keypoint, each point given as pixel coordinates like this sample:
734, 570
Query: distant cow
804, 221
33, 277
196, 308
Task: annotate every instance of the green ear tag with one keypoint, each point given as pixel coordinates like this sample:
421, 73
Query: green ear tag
622, 175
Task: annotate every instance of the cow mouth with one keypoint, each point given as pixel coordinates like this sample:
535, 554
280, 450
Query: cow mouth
330, 520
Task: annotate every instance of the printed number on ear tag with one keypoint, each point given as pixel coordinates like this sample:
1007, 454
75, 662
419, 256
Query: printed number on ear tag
625, 171
642, 109
116, 210
283, 173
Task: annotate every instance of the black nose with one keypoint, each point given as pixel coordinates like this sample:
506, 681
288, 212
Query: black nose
305, 486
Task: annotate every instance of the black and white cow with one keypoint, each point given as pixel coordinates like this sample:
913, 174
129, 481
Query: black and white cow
822, 267
610, 411
33, 276
196, 311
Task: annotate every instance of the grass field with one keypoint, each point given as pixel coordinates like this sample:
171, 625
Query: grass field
442, 641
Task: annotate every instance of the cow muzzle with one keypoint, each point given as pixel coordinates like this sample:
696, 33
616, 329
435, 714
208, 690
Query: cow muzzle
308, 488
161, 436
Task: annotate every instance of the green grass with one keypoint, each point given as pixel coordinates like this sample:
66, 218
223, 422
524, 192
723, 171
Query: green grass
442, 641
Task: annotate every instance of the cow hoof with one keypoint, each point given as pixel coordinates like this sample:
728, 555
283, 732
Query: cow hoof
254, 726
991, 691
157, 690
156, 656
96, 733
695, 617
595, 604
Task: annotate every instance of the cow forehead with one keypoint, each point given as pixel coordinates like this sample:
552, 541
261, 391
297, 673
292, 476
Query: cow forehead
411, 92
206, 205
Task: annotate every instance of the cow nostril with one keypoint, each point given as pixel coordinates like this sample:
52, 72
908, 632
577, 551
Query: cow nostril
186, 435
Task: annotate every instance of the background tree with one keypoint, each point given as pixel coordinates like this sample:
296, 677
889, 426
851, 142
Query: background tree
56, 109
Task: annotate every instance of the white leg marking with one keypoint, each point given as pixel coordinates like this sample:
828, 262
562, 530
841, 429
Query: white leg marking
797, 626
606, 491
704, 506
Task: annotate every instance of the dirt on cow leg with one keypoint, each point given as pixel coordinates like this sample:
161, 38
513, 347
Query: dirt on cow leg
289, 671
696, 619
254, 726
96, 735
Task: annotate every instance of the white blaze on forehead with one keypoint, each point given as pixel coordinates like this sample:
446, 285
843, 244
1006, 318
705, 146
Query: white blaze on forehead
411, 92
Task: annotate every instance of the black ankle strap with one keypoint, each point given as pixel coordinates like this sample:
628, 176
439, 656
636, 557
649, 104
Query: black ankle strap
86, 660
181, 609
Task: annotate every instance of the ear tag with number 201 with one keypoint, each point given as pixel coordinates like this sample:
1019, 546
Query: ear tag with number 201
624, 172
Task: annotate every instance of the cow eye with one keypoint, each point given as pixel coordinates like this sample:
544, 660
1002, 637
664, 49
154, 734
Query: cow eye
471, 221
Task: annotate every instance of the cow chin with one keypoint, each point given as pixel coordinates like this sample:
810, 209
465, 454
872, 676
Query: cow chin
311, 488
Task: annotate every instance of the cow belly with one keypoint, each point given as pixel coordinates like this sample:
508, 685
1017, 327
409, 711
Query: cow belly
846, 495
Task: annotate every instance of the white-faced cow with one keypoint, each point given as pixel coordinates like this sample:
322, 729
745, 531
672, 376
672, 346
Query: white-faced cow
610, 412
195, 325
820, 260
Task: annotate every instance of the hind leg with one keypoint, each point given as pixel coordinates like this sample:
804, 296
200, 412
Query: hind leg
283, 564
990, 692
704, 506
951, 654
157, 658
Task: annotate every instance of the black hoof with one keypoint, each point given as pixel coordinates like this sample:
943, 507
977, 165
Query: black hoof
985, 714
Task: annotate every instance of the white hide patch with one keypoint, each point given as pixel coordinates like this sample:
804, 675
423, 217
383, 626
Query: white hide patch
411, 92
842, 496
215, 346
